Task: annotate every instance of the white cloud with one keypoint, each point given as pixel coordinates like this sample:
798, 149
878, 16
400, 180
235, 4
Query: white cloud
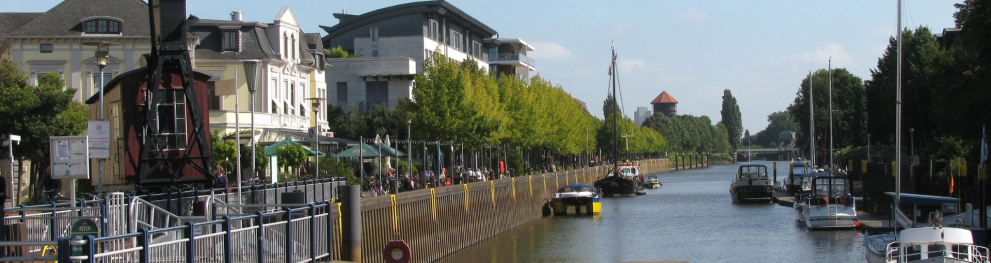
631, 66
823, 54
550, 50
693, 15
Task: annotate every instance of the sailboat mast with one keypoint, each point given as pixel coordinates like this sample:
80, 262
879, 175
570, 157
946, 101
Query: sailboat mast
812, 124
829, 71
898, 113
615, 127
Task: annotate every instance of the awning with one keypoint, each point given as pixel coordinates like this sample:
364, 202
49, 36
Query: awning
917, 199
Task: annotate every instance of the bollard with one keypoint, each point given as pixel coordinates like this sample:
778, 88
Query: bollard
351, 222
64, 249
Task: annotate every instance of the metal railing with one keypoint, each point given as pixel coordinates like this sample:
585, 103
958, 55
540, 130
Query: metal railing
304, 234
512, 56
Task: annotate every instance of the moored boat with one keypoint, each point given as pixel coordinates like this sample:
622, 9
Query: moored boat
830, 204
652, 182
580, 196
751, 184
935, 243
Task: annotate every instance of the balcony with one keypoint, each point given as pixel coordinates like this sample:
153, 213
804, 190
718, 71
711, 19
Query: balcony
511, 58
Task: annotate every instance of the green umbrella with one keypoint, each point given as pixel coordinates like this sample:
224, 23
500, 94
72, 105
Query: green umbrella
270, 150
389, 151
362, 150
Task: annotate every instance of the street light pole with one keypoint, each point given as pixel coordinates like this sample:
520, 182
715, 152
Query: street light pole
409, 145
252, 71
316, 131
102, 55
911, 131
868, 147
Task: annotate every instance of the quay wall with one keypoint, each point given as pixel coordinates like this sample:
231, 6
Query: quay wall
440, 221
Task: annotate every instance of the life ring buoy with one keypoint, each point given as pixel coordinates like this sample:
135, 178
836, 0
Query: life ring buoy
842, 199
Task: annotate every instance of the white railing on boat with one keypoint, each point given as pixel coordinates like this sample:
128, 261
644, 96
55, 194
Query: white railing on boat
972, 253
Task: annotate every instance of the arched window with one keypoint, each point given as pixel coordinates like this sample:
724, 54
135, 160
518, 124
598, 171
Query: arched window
102, 26
285, 46
293, 47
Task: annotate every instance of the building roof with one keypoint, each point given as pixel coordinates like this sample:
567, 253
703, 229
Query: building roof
254, 41
11, 21
445, 9
65, 19
664, 98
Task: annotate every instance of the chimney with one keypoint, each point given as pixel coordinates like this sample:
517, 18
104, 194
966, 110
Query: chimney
344, 11
236, 16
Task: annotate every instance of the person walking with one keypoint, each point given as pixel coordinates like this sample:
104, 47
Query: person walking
221, 180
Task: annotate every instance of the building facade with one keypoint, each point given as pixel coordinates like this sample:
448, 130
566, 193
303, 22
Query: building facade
665, 104
508, 56
293, 69
59, 40
641, 115
391, 45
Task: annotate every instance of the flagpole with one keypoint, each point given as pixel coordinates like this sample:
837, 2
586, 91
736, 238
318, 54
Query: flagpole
982, 175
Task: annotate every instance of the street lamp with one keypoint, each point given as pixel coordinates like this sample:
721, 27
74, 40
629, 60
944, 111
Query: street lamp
409, 145
316, 132
252, 72
868, 146
102, 55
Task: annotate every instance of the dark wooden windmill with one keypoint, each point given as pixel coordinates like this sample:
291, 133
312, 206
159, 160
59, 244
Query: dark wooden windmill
174, 145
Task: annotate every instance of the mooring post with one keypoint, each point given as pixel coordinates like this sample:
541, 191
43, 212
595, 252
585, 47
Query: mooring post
351, 222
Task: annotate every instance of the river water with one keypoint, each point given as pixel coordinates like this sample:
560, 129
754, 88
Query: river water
691, 219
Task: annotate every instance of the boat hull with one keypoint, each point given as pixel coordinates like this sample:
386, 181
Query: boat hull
752, 193
612, 186
652, 186
590, 205
830, 216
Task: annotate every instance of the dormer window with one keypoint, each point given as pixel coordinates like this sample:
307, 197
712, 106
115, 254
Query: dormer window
102, 26
231, 41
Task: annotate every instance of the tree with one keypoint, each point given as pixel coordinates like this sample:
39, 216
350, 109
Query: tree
849, 118
777, 123
37, 113
337, 52
223, 152
732, 118
291, 155
261, 160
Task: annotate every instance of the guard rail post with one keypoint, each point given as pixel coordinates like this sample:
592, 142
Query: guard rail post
351, 222
143, 242
228, 248
313, 233
89, 249
53, 233
64, 249
191, 245
261, 236
289, 234
330, 230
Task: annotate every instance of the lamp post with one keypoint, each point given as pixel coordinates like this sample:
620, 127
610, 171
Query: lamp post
252, 72
316, 132
409, 144
102, 55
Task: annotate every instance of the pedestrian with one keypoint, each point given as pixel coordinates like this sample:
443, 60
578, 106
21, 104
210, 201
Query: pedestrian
221, 179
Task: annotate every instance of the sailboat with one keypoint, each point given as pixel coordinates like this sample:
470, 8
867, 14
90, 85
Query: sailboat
625, 181
926, 243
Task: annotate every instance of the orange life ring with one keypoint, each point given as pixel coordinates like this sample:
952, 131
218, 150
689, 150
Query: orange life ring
822, 200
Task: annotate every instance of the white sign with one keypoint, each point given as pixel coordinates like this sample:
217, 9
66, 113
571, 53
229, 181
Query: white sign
70, 157
99, 139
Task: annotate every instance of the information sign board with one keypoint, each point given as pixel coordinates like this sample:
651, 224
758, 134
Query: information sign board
79, 230
99, 139
70, 157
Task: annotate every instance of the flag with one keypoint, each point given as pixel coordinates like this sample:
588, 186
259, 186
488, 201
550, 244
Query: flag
984, 146
951, 182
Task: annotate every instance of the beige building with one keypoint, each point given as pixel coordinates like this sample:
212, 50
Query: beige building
56, 41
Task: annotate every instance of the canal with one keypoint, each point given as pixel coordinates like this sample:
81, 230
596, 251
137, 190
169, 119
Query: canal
690, 219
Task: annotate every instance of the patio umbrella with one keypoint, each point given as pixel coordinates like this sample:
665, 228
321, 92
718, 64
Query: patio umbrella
361, 150
269, 150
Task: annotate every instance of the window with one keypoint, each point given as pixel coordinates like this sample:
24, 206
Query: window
342, 93
374, 34
211, 89
376, 93
375, 52
433, 30
46, 48
231, 40
107, 77
172, 121
275, 108
102, 26
293, 47
302, 110
457, 42
476, 49
427, 54
292, 93
285, 46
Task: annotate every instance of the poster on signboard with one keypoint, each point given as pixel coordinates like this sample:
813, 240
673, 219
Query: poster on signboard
98, 133
70, 157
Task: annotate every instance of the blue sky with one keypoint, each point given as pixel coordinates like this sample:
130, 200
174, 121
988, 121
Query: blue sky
760, 50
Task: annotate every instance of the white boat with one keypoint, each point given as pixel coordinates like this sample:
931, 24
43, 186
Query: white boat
830, 205
652, 182
578, 196
877, 246
751, 184
935, 243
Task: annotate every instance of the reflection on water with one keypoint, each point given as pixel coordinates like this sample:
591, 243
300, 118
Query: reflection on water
691, 219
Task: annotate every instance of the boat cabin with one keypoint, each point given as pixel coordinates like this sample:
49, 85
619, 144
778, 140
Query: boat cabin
752, 172
576, 188
831, 190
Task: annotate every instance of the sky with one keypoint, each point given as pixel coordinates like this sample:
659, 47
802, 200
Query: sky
759, 50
